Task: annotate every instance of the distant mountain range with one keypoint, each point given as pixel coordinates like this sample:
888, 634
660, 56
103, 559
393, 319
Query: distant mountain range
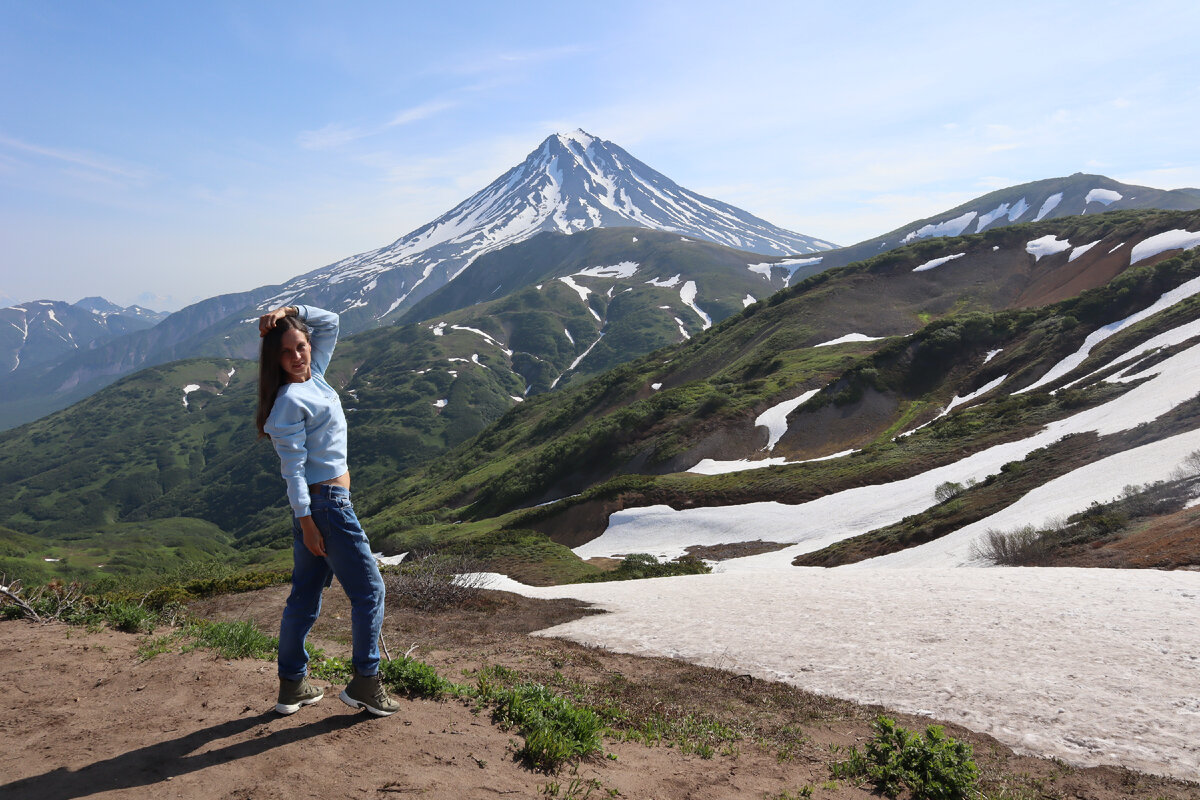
47, 331
514, 232
847, 359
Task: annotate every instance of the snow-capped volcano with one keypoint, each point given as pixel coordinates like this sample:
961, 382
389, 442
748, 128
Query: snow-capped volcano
571, 182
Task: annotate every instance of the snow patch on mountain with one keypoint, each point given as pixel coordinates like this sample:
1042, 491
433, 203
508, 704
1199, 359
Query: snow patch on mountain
1165, 301
1168, 240
688, 295
950, 227
1051, 203
1047, 245
980, 392
849, 337
774, 419
1105, 196
626, 269
937, 262
1081, 249
582, 291
1013, 212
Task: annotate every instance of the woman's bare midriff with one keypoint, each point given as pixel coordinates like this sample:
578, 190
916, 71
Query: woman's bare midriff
340, 480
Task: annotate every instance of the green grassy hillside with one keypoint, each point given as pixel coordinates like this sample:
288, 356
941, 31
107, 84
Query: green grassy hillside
444, 455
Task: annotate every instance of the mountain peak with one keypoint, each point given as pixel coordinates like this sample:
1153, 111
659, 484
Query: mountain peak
572, 182
579, 135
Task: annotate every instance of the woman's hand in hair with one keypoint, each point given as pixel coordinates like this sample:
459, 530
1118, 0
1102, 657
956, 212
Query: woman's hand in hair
267, 321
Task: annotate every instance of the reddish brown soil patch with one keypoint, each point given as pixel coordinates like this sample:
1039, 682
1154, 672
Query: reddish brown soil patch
83, 717
722, 552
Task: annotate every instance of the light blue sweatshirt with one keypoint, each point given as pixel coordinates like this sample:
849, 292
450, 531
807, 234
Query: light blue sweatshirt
307, 424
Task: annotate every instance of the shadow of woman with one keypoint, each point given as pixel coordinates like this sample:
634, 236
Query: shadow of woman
167, 759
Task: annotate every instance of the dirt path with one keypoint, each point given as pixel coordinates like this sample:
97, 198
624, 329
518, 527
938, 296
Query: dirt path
82, 716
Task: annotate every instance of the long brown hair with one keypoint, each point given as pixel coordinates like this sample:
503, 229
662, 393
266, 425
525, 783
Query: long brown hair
270, 374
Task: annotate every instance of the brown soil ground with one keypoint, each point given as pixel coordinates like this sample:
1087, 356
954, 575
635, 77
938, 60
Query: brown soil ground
83, 716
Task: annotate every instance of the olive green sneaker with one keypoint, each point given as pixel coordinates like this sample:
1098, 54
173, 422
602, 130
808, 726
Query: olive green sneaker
293, 694
368, 692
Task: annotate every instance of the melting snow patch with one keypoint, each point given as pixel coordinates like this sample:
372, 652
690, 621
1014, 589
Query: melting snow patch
774, 419
1047, 245
582, 291
710, 466
440, 403
950, 227
982, 390
439, 329
1105, 196
1083, 248
1170, 240
748, 301
656, 386
1118, 247
570, 338
688, 295
937, 262
682, 329
1051, 203
1168, 299
191, 387
625, 269
487, 336
850, 337
669, 283
790, 264
992, 354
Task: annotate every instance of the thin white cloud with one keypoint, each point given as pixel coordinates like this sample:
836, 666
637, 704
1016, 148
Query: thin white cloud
337, 134
332, 135
88, 161
423, 111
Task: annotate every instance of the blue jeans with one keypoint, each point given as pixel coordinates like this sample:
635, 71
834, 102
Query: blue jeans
348, 556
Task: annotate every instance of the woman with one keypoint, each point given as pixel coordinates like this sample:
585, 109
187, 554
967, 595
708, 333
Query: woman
303, 416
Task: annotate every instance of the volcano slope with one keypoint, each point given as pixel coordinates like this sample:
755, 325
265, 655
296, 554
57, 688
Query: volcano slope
907, 333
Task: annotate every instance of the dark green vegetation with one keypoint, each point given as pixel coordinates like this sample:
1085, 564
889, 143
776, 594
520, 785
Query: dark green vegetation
514, 485
643, 565
929, 767
1084, 534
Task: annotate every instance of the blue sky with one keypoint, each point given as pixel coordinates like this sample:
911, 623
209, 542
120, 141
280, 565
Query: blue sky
165, 152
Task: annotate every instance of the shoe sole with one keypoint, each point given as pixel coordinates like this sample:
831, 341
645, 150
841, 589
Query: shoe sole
285, 709
350, 701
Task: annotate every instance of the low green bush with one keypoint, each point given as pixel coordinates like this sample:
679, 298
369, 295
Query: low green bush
931, 767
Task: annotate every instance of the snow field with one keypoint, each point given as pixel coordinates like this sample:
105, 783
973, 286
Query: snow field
1091, 666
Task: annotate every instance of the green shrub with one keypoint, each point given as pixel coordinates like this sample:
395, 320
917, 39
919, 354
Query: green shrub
931, 767
129, 617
